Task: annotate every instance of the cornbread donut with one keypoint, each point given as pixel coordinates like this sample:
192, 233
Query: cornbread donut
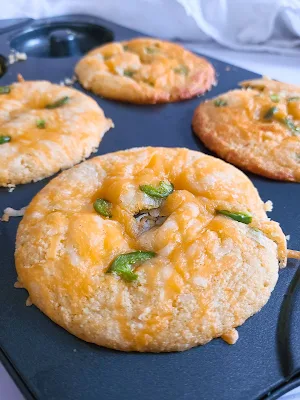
199, 273
256, 128
145, 70
45, 128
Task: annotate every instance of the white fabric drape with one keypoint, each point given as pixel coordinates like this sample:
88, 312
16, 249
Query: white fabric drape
249, 25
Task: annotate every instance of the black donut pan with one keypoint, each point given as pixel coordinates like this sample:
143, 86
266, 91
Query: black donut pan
50, 364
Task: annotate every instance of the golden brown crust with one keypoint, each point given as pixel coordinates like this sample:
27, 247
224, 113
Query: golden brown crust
240, 133
145, 71
269, 85
67, 134
210, 272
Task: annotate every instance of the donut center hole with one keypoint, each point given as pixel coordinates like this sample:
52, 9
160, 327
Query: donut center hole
148, 219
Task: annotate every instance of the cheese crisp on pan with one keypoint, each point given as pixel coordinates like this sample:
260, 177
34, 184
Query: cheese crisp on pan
149, 249
45, 128
145, 71
256, 128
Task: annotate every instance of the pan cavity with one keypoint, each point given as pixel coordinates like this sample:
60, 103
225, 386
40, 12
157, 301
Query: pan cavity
61, 39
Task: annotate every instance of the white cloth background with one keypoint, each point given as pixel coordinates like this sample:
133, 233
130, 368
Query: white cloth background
249, 25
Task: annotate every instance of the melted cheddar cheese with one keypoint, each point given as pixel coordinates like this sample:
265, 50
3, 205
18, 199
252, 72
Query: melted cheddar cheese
69, 133
258, 129
210, 272
145, 70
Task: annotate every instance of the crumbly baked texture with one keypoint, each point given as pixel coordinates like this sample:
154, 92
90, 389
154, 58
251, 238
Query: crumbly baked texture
145, 70
44, 140
258, 129
210, 272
